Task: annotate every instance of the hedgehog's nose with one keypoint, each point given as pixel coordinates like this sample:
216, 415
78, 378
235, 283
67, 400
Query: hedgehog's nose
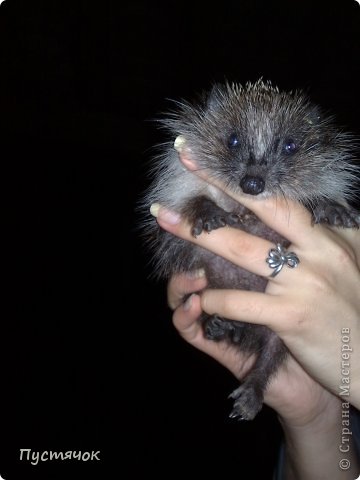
252, 185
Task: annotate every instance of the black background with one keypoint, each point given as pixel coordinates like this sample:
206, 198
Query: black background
89, 357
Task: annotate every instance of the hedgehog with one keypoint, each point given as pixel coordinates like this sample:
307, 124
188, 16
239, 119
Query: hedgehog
259, 141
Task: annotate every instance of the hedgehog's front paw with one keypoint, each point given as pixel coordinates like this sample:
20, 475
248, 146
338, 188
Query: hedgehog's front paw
337, 215
248, 402
209, 221
205, 215
216, 328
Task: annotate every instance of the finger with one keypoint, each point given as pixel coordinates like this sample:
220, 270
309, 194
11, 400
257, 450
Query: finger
285, 216
186, 321
350, 238
240, 248
183, 284
252, 307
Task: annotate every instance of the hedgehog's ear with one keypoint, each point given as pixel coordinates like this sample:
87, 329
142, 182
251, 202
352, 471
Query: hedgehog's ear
212, 97
314, 115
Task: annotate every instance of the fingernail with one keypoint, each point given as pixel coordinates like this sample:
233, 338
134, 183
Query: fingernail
162, 213
154, 209
194, 274
187, 305
179, 143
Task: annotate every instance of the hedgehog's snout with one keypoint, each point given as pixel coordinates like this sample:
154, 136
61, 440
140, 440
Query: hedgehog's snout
252, 184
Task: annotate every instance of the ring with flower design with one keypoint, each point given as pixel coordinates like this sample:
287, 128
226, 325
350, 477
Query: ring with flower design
278, 257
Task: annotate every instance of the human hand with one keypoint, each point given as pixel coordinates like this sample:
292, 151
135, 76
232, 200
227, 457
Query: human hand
309, 307
296, 397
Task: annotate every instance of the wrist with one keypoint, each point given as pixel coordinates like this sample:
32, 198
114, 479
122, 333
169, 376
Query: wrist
297, 398
320, 446
324, 413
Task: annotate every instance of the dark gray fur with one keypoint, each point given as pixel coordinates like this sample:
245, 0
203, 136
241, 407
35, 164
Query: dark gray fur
264, 142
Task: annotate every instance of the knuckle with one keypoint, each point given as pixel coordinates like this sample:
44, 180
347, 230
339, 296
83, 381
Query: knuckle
339, 250
296, 315
206, 301
344, 255
215, 302
319, 284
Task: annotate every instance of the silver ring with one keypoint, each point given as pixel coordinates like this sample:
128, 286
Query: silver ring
278, 257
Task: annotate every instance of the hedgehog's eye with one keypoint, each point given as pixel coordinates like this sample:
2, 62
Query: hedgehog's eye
233, 141
290, 146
